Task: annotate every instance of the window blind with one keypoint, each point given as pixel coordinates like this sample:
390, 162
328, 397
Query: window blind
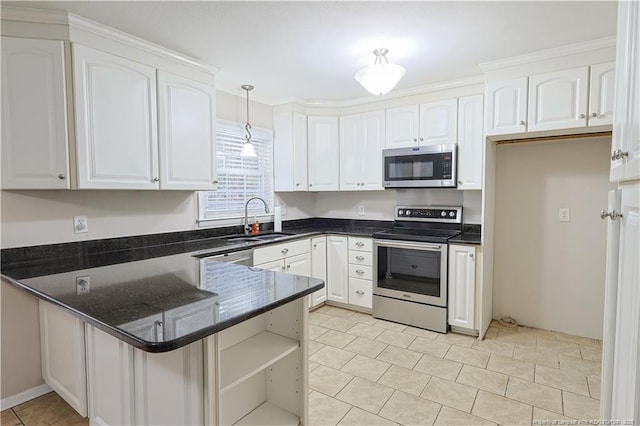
239, 178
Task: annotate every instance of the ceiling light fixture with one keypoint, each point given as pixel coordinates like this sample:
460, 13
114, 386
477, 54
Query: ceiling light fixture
248, 150
381, 76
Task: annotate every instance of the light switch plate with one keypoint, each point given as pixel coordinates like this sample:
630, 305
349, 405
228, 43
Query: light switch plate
564, 214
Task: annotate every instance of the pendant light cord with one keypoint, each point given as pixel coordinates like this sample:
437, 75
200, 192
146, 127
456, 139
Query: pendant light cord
248, 126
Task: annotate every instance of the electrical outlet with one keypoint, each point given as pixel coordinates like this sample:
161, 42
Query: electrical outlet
564, 214
80, 224
361, 210
83, 284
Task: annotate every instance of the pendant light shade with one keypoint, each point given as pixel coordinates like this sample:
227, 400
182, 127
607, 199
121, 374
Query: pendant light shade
381, 76
248, 150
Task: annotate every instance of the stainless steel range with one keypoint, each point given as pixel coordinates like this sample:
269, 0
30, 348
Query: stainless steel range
410, 266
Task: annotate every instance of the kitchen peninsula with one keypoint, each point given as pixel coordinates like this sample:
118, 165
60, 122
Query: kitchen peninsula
174, 340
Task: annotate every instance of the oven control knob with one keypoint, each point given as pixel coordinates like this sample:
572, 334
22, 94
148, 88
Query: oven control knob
407, 212
452, 214
400, 212
443, 214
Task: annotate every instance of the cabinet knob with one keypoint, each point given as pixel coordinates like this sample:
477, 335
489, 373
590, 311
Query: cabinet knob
297, 184
359, 271
359, 292
459, 182
471, 255
583, 116
315, 245
310, 185
421, 139
522, 122
215, 181
594, 114
285, 251
156, 179
360, 257
415, 139
359, 243
61, 176
288, 266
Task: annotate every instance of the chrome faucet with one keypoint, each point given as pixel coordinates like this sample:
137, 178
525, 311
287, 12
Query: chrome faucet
246, 219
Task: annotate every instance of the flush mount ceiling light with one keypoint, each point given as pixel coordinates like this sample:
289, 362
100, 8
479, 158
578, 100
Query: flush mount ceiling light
381, 76
248, 150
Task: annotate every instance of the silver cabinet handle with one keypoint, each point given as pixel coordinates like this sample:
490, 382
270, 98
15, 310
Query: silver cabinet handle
315, 245
359, 292
613, 215
359, 243
284, 251
415, 139
522, 122
459, 182
297, 184
471, 255
156, 179
288, 266
215, 181
583, 116
360, 257
61, 176
310, 185
619, 154
594, 114
359, 271
421, 139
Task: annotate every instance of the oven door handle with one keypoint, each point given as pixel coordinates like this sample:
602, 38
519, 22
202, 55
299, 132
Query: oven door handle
409, 244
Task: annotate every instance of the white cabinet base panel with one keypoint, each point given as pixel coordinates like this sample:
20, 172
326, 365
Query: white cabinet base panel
269, 415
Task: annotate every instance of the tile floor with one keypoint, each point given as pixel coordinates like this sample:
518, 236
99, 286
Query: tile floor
364, 371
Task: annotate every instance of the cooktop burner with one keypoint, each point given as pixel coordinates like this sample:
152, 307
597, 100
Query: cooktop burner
424, 224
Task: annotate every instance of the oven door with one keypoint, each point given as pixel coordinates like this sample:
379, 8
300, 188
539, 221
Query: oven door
410, 271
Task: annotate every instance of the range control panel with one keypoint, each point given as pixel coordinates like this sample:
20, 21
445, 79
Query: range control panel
445, 214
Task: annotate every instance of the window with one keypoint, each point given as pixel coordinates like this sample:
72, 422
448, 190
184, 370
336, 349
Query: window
239, 178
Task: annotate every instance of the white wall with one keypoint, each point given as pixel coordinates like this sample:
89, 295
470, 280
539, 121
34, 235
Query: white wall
550, 274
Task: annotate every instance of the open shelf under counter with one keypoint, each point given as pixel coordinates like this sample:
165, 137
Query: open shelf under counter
268, 414
253, 355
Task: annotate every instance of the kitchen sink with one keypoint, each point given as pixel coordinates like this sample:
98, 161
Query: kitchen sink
260, 237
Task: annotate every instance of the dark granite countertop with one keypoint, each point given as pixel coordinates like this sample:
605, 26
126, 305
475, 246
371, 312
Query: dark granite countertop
467, 238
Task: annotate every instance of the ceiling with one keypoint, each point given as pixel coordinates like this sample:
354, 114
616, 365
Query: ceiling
310, 51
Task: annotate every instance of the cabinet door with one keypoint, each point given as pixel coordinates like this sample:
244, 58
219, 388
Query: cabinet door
116, 125
462, 284
300, 176
361, 292
324, 147
290, 151
601, 90
298, 265
319, 268
63, 355
439, 122
402, 126
187, 111
274, 265
351, 152
34, 115
470, 142
337, 269
373, 136
506, 107
558, 100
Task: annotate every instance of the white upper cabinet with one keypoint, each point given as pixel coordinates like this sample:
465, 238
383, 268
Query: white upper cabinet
34, 115
116, 126
558, 100
323, 158
290, 151
187, 117
470, 142
601, 90
438, 122
361, 142
506, 107
402, 126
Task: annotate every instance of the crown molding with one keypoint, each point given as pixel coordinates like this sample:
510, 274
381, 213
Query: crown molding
40, 16
553, 53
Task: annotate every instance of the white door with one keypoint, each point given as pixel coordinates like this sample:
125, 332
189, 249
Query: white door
298, 265
337, 269
402, 126
373, 137
34, 115
351, 152
462, 285
470, 142
63, 355
558, 100
300, 177
601, 92
116, 124
187, 123
506, 109
439, 122
324, 147
319, 268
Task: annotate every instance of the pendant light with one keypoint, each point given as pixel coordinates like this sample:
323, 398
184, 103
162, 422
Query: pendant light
248, 150
381, 76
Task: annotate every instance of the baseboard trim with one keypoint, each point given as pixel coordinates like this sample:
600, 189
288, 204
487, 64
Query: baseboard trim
29, 394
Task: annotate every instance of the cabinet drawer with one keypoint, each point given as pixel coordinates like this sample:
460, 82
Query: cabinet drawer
360, 258
360, 271
280, 251
360, 292
359, 243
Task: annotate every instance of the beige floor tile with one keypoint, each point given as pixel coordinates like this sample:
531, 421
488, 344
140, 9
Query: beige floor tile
594, 387
365, 367
404, 379
396, 339
316, 331
363, 318
339, 312
467, 356
318, 318
501, 410
579, 365
365, 347
37, 400
494, 346
509, 335
365, 394
580, 407
410, 410
483, 379
328, 380
430, 347
541, 356
358, 417
398, 356
449, 393
332, 357
535, 394
46, 410
560, 346
511, 367
323, 309
540, 416
366, 330
565, 380
452, 417
8, 418
336, 339
414, 331
592, 353
324, 410
579, 340
442, 368
73, 420
456, 339
339, 324
492, 333
312, 366
314, 347
391, 325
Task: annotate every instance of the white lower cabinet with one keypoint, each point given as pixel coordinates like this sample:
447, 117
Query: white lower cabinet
337, 269
292, 257
319, 269
462, 284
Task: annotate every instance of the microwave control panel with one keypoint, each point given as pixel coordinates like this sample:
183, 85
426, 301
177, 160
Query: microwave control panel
429, 214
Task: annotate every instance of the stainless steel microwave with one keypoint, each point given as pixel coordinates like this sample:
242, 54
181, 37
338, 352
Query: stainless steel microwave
432, 166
